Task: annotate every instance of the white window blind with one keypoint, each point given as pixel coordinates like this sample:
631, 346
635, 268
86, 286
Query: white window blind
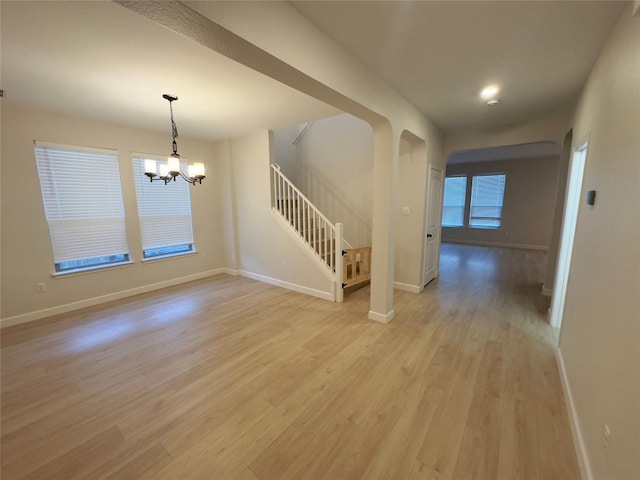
164, 212
487, 195
83, 204
455, 193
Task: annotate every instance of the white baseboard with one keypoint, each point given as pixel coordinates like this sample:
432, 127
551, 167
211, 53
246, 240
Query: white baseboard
381, 317
499, 244
408, 287
90, 302
578, 440
287, 285
230, 271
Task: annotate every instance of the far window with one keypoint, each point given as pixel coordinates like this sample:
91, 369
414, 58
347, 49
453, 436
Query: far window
164, 212
455, 192
487, 195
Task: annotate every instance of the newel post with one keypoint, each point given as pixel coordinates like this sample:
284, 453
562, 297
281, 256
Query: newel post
339, 244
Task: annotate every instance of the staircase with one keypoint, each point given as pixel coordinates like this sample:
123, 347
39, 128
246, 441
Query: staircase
324, 240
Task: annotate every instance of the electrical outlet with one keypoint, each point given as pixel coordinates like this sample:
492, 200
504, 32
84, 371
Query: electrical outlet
406, 210
606, 437
40, 288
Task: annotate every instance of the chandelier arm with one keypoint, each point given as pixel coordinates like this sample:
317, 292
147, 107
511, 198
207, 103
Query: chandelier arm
192, 181
168, 179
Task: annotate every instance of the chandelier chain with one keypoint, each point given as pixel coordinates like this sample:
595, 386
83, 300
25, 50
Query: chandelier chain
171, 170
174, 128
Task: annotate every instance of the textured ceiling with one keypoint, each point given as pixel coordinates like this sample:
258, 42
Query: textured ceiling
100, 60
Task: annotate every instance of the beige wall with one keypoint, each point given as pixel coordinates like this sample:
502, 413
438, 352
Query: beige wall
264, 246
529, 198
26, 251
410, 229
284, 151
600, 337
335, 171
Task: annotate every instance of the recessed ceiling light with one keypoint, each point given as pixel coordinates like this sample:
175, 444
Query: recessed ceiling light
492, 103
489, 91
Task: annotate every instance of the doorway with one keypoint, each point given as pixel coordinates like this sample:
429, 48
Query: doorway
572, 202
432, 222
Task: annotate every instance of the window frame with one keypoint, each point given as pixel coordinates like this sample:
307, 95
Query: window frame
64, 172
470, 185
464, 203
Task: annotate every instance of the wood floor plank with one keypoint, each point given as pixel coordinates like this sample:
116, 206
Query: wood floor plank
479, 453
71, 464
420, 471
142, 466
229, 378
355, 459
200, 460
441, 445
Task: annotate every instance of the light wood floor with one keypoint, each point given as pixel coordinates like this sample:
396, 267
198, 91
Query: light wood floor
228, 378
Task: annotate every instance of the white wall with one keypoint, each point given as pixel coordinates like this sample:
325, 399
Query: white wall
410, 229
529, 198
335, 171
600, 337
264, 248
284, 152
26, 251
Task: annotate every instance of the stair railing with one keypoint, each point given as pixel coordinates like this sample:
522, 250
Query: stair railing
322, 237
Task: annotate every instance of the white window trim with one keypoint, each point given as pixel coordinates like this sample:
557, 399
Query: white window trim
83, 271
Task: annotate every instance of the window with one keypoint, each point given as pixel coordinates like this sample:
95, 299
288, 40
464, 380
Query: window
83, 205
487, 194
455, 193
164, 212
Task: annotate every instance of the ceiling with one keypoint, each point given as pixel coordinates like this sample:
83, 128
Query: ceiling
100, 60
440, 54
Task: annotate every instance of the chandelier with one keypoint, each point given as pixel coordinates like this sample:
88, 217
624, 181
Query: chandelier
170, 170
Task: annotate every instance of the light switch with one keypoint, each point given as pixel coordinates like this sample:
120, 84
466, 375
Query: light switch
405, 210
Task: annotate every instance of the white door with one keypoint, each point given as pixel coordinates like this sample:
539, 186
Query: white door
432, 232
570, 219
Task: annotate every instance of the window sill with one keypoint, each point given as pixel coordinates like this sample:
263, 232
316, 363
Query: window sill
168, 257
83, 271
